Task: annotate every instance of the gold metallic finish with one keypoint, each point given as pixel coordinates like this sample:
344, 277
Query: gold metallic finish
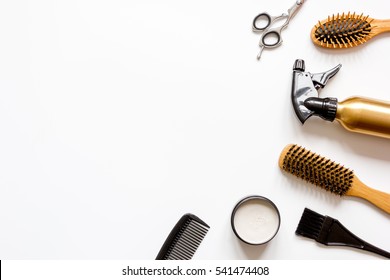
363, 115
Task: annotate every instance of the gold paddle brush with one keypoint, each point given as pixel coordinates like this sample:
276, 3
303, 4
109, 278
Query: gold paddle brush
329, 175
347, 30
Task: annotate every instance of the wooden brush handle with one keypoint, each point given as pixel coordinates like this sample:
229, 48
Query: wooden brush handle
381, 25
378, 198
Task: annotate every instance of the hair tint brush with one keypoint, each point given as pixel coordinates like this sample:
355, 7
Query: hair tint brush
347, 30
329, 231
329, 175
184, 239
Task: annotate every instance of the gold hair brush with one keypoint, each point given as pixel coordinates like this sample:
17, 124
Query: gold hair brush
329, 175
347, 30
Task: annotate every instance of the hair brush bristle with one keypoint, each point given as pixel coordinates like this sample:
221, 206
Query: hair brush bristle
342, 31
316, 169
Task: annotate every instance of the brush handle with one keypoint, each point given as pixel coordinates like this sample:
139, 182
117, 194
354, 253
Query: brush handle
334, 233
371, 248
378, 198
380, 26
365, 115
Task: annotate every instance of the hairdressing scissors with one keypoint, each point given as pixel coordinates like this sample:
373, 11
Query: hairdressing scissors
271, 37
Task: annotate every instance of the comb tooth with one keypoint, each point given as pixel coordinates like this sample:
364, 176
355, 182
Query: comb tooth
180, 252
187, 241
184, 239
197, 233
184, 247
178, 255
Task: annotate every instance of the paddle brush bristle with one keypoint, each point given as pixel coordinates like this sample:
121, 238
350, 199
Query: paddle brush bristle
316, 169
342, 31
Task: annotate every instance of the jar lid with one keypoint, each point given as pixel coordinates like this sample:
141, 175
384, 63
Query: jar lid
255, 220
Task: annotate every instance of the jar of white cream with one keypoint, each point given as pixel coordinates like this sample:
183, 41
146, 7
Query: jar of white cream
255, 220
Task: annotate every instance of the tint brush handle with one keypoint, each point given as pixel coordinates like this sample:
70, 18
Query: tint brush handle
333, 233
378, 198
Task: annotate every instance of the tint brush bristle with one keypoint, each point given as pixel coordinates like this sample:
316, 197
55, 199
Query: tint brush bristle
310, 224
317, 170
329, 231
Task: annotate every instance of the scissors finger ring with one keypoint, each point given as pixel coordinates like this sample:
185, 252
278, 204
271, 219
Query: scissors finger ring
271, 37
261, 22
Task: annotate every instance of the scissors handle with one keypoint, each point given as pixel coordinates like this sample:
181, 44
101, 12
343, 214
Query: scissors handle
266, 20
271, 37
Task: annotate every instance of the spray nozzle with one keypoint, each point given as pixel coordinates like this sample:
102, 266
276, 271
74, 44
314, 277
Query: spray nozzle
305, 96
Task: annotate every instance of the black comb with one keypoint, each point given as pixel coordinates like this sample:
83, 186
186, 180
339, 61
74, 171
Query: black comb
184, 239
329, 231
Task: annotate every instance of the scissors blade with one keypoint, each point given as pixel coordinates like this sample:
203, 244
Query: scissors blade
294, 9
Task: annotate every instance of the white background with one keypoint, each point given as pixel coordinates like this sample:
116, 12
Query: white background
117, 117
113, 269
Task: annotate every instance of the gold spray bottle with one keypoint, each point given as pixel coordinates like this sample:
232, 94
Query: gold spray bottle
357, 114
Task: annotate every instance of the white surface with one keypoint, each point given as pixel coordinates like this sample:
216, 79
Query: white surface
117, 117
